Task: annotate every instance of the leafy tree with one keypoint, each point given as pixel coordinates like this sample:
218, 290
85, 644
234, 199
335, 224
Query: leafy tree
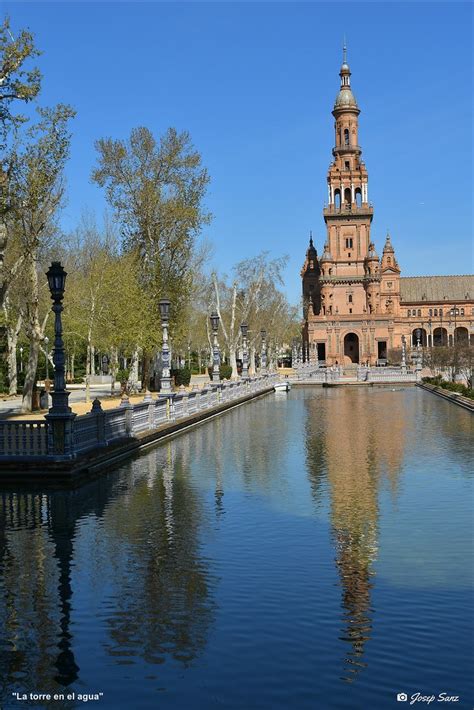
253, 297
17, 84
35, 193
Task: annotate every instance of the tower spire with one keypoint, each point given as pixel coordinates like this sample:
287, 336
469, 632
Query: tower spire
344, 51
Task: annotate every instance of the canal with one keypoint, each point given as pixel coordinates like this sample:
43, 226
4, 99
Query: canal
309, 551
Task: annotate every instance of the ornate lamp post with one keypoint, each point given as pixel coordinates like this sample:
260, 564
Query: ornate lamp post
263, 354
404, 355
245, 355
418, 349
60, 418
165, 387
294, 353
216, 354
454, 312
57, 282
21, 358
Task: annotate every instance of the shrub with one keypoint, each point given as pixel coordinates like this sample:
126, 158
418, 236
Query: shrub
181, 376
122, 376
225, 371
450, 386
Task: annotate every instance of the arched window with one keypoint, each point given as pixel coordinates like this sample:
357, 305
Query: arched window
337, 199
462, 311
430, 312
358, 197
436, 311
346, 136
419, 312
350, 298
347, 196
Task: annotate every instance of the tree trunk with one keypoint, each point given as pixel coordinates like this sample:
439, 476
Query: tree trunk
113, 367
88, 373
252, 360
30, 375
133, 376
34, 331
233, 362
145, 371
12, 342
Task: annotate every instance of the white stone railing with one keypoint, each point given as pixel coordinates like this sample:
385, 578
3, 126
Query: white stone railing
385, 374
102, 427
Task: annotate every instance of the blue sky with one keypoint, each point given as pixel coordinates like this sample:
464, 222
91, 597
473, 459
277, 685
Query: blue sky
254, 84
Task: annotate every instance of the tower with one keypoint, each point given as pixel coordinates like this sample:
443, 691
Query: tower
348, 215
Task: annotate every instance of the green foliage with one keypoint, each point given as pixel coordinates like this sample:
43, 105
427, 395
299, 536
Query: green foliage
123, 375
156, 191
16, 82
182, 376
450, 386
225, 371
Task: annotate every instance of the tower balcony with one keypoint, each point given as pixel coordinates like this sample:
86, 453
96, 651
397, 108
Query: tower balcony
342, 149
366, 209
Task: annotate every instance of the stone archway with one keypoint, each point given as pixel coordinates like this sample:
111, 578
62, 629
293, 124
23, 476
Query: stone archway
351, 347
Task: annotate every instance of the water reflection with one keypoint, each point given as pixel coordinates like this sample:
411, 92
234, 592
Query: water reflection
347, 452
136, 541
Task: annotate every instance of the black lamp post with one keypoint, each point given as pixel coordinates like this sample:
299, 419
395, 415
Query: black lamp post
165, 387
245, 355
60, 417
216, 355
21, 358
57, 282
263, 355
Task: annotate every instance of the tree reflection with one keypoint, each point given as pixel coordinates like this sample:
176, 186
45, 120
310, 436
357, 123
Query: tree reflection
161, 586
136, 532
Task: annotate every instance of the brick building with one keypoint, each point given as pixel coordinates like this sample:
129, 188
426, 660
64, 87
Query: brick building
356, 304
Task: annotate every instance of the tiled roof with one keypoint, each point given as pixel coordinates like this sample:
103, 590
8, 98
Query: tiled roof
436, 288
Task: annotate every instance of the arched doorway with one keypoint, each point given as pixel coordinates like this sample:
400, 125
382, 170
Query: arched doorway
351, 347
440, 337
461, 335
422, 335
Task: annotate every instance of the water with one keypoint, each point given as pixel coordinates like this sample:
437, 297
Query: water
304, 551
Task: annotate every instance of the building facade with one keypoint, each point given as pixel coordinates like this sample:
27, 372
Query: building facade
356, 304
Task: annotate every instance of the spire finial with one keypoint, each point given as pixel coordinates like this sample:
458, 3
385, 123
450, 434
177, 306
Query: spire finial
344, 51
310, 237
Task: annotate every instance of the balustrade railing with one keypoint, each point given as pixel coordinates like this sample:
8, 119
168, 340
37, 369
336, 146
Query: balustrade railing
101, 427
23, 438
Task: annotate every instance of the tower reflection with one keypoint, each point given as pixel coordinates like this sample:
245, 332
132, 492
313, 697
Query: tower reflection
347, 455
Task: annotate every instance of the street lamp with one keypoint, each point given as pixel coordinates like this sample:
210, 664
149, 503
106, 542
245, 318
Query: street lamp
418, 349
245, 356
404, 355
21, 358
263, 355
165, 385
216, 355
454, 312
57, 282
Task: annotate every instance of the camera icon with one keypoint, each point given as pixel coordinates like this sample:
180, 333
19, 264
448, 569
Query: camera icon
402, 697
